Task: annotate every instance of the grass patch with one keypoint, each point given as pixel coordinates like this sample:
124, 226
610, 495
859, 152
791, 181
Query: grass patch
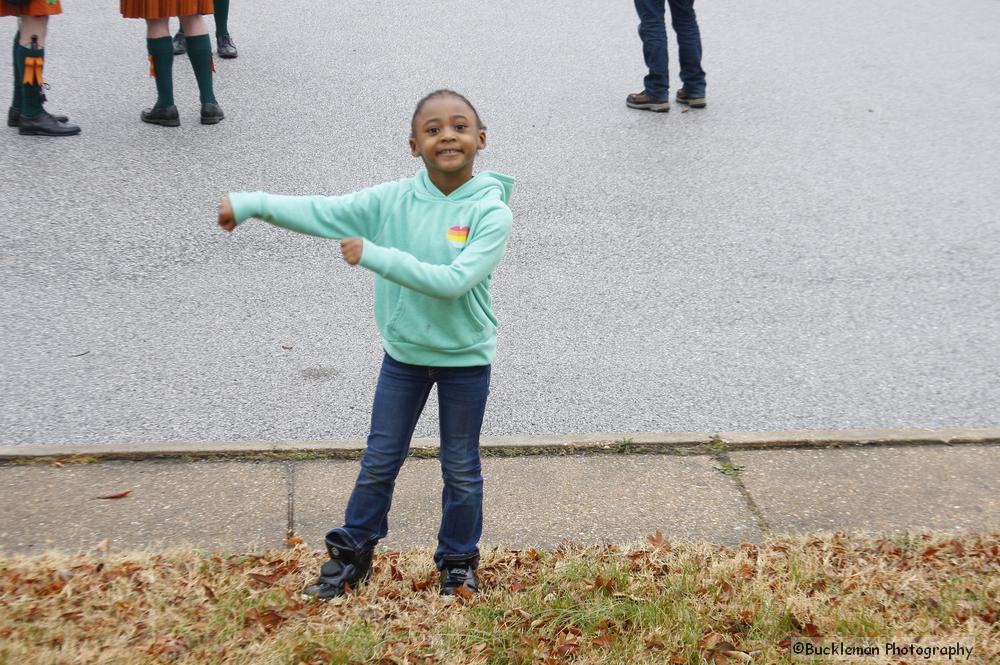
729, 469
649, 602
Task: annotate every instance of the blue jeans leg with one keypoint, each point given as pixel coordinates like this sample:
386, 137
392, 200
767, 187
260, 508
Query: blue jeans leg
685, 24
400, 396
653, 33
462, 393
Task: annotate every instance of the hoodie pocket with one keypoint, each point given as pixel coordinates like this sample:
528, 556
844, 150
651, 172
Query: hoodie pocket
437, 324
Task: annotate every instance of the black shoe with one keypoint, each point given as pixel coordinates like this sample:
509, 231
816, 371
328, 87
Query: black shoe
640, 100
168, 117
694, 101
226, 47
45, 124
346, 567
456, 572
180, 44
211, 114
14, 117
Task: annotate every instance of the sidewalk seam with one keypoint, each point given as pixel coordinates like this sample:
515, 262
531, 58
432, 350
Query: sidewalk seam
722, 457
290, 489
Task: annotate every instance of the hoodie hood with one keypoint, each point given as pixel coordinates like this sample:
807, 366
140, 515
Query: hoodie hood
485, 185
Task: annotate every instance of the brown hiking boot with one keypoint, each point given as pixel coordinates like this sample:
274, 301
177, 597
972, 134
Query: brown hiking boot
640, 100
694, 102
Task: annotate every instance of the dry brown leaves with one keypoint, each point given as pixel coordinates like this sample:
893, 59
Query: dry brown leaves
168, 607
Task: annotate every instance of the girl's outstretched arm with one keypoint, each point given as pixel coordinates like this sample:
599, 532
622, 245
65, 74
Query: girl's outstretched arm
455, 279
354, 214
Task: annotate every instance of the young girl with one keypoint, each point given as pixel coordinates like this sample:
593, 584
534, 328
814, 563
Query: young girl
161, 56
26, 111
432, 241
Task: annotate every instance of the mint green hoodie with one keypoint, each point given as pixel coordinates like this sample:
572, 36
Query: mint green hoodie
432, 255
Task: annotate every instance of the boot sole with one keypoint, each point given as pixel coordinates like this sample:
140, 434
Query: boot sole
212, 121
228, 57
38, 132
693, 103
163, 123
656, 108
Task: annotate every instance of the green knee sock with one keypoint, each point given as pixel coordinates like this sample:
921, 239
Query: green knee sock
161, 50
31, 94
16, 103
221, 17
200, 54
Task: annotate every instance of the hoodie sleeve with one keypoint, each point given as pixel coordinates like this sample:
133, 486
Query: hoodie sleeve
451, 281
356, 214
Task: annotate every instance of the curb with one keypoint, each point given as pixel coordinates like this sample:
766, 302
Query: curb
676, 443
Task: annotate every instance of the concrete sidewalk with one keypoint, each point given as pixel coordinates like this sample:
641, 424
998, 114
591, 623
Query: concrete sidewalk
540, 491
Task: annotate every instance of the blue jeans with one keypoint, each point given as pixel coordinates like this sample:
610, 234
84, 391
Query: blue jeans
400, 396
653, 32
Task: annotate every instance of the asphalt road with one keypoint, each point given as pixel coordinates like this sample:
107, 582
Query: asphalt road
816, 249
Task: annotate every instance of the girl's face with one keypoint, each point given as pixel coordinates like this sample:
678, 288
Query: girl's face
446, 135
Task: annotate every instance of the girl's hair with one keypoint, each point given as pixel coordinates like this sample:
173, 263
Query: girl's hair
443, 93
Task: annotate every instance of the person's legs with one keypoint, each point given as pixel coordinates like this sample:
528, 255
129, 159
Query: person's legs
653, 32
161, 60
221, 17
462, 394
685, 24
225, 43
180, 44
29, 63
400, 396
199, 50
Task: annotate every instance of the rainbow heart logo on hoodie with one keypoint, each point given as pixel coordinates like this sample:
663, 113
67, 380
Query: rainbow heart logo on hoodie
458, 235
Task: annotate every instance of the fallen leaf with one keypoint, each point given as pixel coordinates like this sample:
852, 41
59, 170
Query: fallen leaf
464, 591
269, 619
685, 110
208, 591
117, 495
603, 640
57, 463
659, 541
654, 642
269, 580
423, 584
294, 540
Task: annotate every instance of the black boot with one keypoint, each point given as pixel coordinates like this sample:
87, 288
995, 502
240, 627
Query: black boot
346, 566
180, 43
168, 117
14, 117
226, 47
211, 114
458, 571
45, 124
